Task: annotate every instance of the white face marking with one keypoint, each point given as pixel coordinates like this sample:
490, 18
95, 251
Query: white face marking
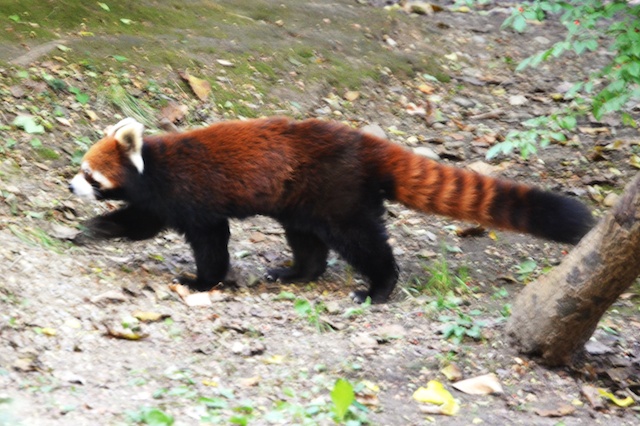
102, 180
81, 187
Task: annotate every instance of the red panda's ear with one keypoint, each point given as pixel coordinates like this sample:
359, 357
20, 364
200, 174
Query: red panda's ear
128, 133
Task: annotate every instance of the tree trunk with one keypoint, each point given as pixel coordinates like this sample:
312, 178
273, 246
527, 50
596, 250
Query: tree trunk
555, 316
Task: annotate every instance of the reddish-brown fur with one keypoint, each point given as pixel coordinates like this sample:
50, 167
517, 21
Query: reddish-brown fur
324, 181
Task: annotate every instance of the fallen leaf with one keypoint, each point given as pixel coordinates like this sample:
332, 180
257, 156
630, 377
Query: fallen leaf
426, 89
63, 232
225, 63
594, 130
126, 333
452, 372
111, 296
560, 411
174, 112
628, 401
435, 393
182, 290
274, 359
202, 88
48, 331
28, 124
480, 385
149, 316
593, 397
63, 121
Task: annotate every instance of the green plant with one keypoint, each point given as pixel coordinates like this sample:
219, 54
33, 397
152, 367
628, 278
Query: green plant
151, 416
608, 90
358, 310
312, 312
442, 279
525, 269
461, 325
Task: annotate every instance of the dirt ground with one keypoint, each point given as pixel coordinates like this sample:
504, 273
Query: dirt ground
92, 332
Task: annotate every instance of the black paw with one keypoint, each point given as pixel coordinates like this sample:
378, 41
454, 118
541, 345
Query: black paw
361, 296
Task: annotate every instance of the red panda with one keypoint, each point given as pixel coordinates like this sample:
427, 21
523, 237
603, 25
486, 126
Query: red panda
323, 181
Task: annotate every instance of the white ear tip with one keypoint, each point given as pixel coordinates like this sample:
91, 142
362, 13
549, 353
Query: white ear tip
111, 130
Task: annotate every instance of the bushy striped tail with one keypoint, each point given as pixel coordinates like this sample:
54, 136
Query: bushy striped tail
428, 186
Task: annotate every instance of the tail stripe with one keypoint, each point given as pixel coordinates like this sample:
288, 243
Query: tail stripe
431, 187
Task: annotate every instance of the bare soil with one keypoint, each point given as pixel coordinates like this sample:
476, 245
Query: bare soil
250, 357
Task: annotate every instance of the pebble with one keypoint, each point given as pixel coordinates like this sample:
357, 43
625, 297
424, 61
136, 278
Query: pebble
375, 130
426, 152
518, 100
464, 102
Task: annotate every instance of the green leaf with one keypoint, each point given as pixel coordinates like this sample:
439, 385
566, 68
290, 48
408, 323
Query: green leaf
36, 143
519, 23
104, 6
156, 417
28, 124
14, 18
342, 396
81, 97
120, 58
126, 21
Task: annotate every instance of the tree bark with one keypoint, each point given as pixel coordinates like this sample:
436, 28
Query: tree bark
554, 316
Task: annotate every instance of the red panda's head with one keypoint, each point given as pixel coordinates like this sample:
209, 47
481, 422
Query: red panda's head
105, 166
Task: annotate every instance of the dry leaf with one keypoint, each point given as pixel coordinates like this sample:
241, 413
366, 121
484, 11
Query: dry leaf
481, 385
435, 393
63, 121
592, 395
561, 411
148, 316
174, 112
63, 232
426, 89
202, 88
182, 290
225, 63
452, 372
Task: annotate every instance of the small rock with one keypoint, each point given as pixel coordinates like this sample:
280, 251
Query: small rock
333, 307
17, 92
541, 40
391, 42
375, 130
238, 348
426, 152
518, 100
364, 341
111, 296
390, 332
611, 199
464, 102
419, 8
351, 95
594, 347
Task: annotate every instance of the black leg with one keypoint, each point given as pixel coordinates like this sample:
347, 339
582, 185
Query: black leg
212, 256
309, 258
362, 241
127, 222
